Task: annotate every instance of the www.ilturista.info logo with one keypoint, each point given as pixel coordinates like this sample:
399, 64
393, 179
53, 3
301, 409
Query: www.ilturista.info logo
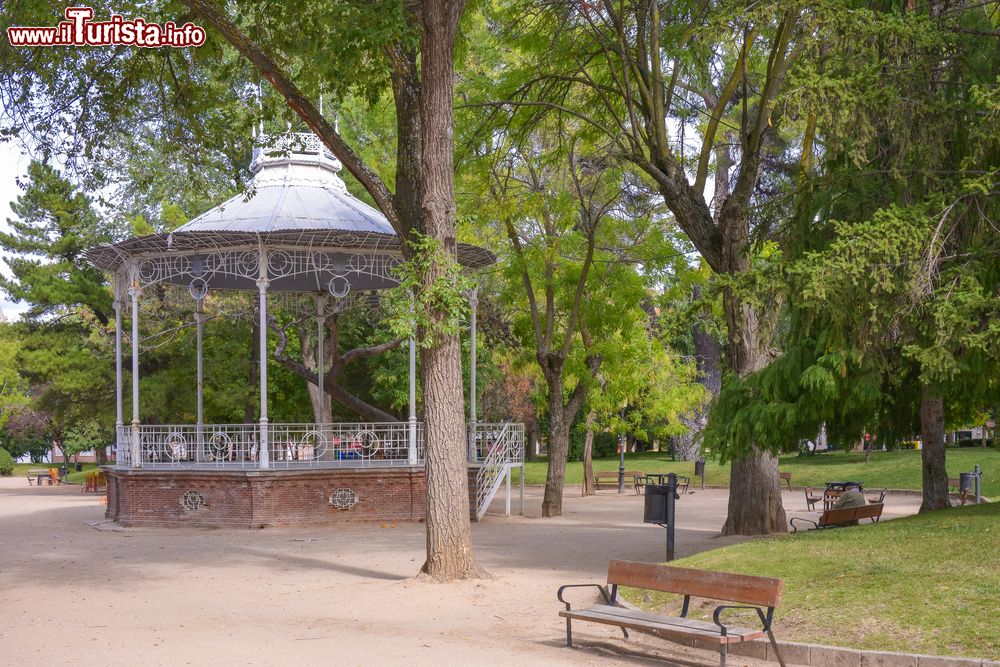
79, 30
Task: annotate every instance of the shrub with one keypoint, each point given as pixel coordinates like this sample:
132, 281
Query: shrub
6, 463
969, 442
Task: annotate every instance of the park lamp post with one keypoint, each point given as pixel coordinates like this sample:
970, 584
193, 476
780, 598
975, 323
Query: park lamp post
621, 464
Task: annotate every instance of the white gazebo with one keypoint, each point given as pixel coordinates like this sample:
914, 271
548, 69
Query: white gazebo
298, 232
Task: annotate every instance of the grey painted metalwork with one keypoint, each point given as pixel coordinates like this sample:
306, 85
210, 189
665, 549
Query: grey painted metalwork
320, 362
297, 232
344, 499
319, 236
499, 447
290, 446
134, 292
262, 286
199, 319
118, 353
192, 500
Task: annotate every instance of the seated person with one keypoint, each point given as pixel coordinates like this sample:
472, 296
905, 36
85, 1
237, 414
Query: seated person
852, 497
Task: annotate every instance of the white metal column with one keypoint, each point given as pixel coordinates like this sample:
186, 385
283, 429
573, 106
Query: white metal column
134, 292
506, 493
262, 284
199, 320
320, 362
412, 444
118, 362
522, 488
473, 304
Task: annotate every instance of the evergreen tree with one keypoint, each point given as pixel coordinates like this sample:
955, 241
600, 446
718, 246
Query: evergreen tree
55, 224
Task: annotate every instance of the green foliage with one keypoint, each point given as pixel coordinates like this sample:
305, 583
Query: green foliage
890, 249
6, 463
55, 224
430, 301
84, 435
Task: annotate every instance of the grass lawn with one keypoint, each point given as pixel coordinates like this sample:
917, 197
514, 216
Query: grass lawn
893, 470
21, 470
926, 584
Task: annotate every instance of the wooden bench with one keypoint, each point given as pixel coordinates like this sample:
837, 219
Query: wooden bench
38, 475
642, 481
94, 482
877, 500
845, 516
761, 593
811, 500
787, 476
612, 476
955, 487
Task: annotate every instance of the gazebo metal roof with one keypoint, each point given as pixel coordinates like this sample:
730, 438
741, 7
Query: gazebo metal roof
299, 215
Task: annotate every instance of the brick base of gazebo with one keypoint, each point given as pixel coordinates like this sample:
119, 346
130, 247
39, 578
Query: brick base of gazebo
264, 498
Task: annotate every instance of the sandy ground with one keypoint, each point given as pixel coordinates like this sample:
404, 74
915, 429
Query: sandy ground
74, 590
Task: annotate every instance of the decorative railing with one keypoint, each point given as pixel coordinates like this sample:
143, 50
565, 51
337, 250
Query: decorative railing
366, 444
289, 445
274, 147
357, 445
488, 435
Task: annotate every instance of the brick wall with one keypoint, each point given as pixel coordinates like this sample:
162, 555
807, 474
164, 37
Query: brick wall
258, 498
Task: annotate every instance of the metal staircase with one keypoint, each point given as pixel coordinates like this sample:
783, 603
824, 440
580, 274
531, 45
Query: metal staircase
503, 452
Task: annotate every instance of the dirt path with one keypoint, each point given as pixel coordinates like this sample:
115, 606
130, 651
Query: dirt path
73, 593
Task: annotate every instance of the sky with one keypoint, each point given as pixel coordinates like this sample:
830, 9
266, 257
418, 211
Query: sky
12, 163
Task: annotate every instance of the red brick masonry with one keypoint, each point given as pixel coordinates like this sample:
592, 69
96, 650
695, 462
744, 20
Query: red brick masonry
259, 498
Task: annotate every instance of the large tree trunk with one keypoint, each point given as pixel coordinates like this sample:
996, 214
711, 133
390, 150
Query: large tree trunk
755, 497
932, 453
587, 488
449, 541
558, 450
754, 489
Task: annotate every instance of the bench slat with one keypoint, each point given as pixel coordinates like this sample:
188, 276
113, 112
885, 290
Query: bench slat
653, 617
744, 588
667, 625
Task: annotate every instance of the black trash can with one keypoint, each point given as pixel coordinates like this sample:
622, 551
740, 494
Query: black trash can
63, 471
967, 481
79, 467
699, 467
655, 504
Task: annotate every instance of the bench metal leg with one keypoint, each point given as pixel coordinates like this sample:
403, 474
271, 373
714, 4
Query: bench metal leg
569, 632
723, 650
625, 632
774, 645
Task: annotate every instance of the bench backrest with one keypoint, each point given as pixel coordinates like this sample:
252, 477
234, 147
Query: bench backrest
745, 588
869, 511
784, 475
835, 517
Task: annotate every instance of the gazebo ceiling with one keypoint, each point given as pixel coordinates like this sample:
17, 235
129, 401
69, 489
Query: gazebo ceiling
315, 234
